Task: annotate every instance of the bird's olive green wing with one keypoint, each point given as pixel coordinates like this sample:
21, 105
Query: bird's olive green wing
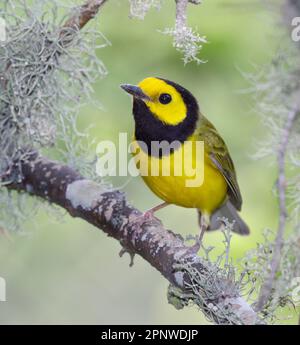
219, 155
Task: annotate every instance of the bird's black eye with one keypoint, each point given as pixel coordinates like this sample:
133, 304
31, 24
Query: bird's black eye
165, 98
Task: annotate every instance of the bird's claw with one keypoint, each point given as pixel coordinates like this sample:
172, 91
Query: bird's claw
144, 217
194, 249
147, 215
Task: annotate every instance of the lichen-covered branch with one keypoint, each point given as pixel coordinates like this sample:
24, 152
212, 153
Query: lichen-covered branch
185, 39
108, 210
266, 288
44, 81
287, 143
82, 15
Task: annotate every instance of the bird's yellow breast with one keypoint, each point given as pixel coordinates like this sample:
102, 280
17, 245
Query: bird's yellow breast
182, 190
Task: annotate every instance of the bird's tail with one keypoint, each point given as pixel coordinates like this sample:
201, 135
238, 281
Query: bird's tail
227, 210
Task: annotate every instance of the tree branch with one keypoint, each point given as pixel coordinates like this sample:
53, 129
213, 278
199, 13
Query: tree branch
266, 288
85, 13
82, 16
181, 15
108, 210
185, 39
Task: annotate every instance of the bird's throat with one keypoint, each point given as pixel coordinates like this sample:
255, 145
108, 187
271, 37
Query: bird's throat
150, 130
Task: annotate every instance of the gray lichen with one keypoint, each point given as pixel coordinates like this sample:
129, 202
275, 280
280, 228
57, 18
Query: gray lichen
185, 39
43, 85
139, 8
85, 194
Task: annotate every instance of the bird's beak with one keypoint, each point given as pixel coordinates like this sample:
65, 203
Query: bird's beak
135, 91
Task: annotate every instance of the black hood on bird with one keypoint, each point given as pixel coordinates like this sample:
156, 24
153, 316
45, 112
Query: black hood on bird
148, 128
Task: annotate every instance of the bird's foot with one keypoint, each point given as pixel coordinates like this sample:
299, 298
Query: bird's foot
149, 215
203, 223
194, 249
140, 219
137, 221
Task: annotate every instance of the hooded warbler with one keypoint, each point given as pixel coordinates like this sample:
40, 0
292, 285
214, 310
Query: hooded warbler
167, 112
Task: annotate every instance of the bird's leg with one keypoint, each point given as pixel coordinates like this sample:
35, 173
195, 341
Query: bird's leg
203, 224
149, 214
204, 221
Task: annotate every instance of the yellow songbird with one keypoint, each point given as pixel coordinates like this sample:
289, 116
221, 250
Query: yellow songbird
166, 113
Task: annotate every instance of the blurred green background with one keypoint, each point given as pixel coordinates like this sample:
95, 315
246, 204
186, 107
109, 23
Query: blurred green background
69, 272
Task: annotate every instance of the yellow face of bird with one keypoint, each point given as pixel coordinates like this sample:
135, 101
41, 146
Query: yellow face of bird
162, 110
163, 100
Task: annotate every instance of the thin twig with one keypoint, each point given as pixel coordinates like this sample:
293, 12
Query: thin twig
181, 13
185, 39
266, 289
